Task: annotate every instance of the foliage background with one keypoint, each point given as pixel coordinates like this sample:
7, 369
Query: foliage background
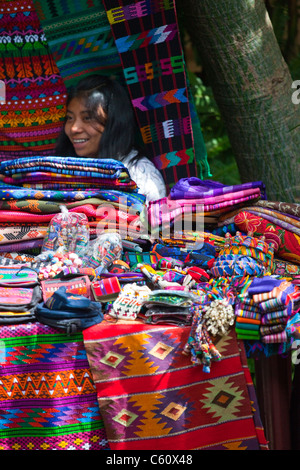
285, 18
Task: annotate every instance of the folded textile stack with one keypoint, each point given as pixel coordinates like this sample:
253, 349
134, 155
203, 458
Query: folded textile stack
52, 172
194, 188
248, 320
278, 222
34, 189
266, 309
195, 203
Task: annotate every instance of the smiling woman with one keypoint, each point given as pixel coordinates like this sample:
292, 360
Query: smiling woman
100, 123
82, 129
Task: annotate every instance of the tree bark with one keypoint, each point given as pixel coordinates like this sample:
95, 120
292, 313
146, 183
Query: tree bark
252, 86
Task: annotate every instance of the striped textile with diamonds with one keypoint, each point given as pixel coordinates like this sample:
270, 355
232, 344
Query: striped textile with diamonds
47, 395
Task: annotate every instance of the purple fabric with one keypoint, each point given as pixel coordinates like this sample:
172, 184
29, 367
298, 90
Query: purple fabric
194, 188
230, 198
20, 246
264, 284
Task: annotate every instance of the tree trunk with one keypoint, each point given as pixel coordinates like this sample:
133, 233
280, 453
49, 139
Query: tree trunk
253, 88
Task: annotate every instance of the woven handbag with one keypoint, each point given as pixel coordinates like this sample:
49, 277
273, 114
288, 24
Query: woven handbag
18, 304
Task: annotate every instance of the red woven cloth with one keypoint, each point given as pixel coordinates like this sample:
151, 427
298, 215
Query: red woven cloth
151, 396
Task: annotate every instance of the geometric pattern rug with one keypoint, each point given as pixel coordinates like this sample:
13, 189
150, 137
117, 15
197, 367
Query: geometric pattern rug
47, 396
151, 397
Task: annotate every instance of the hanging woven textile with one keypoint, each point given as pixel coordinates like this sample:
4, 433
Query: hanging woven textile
79, 37
147, 39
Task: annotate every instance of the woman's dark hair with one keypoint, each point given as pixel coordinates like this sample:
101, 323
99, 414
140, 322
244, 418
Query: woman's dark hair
118, 137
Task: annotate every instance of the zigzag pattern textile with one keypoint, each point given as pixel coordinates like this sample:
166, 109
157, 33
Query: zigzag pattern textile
147, 38
47, 395
34, 93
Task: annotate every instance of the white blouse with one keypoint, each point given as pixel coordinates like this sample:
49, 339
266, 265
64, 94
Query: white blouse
147, 177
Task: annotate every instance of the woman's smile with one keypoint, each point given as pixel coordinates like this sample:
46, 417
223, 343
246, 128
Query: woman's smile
79, 143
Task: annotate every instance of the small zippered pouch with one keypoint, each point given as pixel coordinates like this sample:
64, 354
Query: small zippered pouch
80, 285
107, 289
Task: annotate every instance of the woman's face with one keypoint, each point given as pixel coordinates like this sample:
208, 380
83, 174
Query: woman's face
83, 131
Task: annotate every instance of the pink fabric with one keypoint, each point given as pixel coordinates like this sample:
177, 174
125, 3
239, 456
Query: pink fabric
166, 210
230, 197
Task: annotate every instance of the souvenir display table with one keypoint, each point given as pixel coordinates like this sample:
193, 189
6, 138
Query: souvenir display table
200, 302
120, 331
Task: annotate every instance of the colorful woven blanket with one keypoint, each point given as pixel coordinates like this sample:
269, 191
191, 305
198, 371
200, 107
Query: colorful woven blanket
286, 243
34, 108
163, 212
123, 198
194, 188
13, 233
148, 42
47, 395
25, 213
37, 166
152, 397
79, 37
